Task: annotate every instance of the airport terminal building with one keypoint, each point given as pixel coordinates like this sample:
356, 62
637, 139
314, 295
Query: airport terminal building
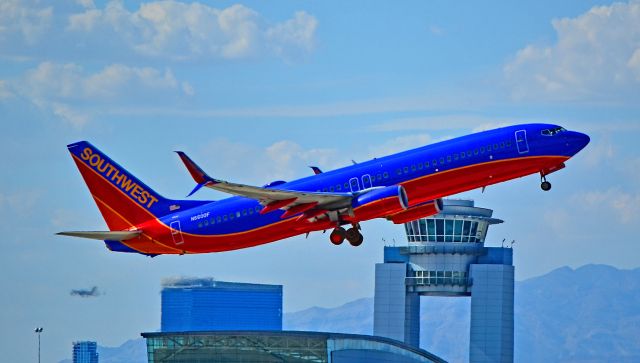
279, 346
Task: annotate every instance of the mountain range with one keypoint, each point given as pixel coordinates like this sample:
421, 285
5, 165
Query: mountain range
588, 314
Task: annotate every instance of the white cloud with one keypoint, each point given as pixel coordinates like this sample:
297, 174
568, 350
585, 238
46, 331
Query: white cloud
27, 20
626, 205
4, 90
596, 57
293, 37
400, 143
56, 87
188, 31
600, 151
71, 81
282, 160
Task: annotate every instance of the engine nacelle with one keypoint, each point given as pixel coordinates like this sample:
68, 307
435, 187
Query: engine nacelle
380, 202
422, 210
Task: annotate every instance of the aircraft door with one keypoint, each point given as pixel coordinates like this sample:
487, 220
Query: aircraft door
354, 184
521, 141
176, 232
366, 181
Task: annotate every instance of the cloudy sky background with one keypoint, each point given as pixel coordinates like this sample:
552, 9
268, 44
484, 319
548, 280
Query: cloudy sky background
256, 91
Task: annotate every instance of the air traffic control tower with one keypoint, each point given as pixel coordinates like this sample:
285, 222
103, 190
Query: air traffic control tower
446, 256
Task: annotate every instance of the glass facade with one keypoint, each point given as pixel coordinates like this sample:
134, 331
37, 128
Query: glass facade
433, 278
282, 347
447, 229
205, 305
85, 352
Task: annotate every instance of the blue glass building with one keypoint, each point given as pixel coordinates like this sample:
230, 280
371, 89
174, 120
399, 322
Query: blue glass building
85, 352
210, 305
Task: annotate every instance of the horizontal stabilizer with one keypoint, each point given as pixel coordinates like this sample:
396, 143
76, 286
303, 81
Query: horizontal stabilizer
103, 235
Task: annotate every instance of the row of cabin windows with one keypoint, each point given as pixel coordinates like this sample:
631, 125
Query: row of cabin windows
455, 157
228, 217
345, 187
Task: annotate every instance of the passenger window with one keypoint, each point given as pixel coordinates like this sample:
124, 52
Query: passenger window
250, 211
502, 145
331, 189
244, 212
399, 171
462, 155
456, 156
442, 160
406, 169
386, 175
435, 162
225, 217
258, 208
481, 149
475, 152
238, 214
379, 177
338, 187
448, 158
413, 167
488, 147
508, 143
426, 164
495, 146
206, 222
200, 225
469, 153
325, 189
213, 221
219, 219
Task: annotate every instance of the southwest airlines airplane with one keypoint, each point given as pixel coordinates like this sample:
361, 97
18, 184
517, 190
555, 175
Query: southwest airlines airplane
399, 187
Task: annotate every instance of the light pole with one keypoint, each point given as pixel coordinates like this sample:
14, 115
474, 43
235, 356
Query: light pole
38, 331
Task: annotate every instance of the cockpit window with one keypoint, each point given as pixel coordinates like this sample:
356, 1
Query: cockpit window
553, 131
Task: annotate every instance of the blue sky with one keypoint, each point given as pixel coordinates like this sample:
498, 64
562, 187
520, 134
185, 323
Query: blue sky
256, 91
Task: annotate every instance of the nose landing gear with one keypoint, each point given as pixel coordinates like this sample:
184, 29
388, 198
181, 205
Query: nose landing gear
544, 185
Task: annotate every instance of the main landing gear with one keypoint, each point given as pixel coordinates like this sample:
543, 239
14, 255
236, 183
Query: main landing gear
545, 185
353, 235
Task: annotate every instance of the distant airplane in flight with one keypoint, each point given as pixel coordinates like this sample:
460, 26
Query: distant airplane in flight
400, 187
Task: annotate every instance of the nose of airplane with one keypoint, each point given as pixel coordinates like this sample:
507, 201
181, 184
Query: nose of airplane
577, 141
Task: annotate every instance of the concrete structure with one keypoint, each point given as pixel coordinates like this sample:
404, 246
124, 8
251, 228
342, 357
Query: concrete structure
85, 352
446, 256
281, 347
206, 304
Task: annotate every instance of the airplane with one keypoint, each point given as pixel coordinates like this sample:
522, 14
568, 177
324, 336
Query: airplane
401, 187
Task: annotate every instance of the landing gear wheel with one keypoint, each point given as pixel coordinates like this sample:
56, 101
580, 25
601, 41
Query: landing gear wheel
354, 237
546, 186
337, 236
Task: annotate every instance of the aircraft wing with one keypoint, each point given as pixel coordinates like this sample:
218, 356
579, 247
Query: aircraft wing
271, 198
